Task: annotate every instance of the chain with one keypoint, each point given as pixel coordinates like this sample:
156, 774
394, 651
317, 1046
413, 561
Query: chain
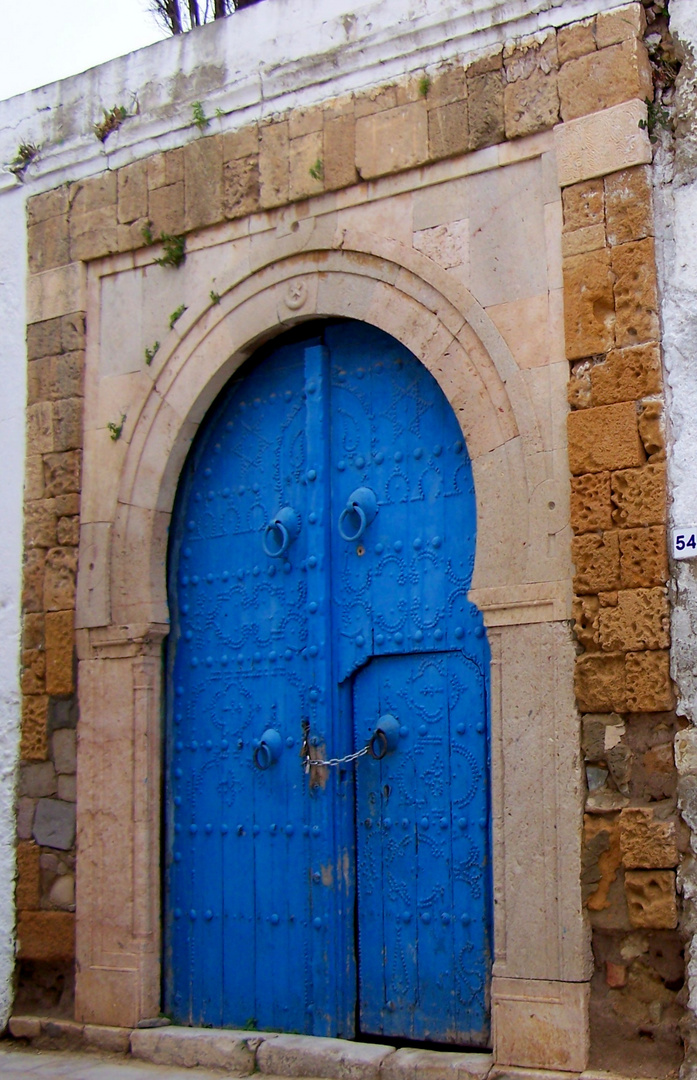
308, 762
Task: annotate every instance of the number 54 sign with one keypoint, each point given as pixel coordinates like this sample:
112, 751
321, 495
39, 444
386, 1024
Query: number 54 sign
684, 542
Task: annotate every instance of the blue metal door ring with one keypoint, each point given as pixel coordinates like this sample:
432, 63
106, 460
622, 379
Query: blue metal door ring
280, 532
359, 512
385, 738
269, 749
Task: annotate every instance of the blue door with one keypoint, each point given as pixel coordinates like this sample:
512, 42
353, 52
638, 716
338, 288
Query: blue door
321, 552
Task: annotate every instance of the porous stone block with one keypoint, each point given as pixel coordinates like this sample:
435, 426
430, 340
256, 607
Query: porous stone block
485, 109
622, 24
393, 140
33, 740
40, 523
604, 437
274, 171
652, 430
592, 238
203, 182
62, 472
40, 427
641, 620
28, 888
601, 79
233, 1051
576, 40
34, 476
448, 131
59, 579
54, 824
166, 209
64, 745
636, 295
649, 688
651, 899
589, 304
33, 631
585, 613
33, 580
336, 1059
591, 508
240, 187
523, 58
132, 192
599, 681
45, 935
626, 375
602, 143
639, 496
60, 644
628, 205
68, 531
540, 1024
643, 557
67, 424
646, 843
597, 560
531, 104
339, 152
33, 671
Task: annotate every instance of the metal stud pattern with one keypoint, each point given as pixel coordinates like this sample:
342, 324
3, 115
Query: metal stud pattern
266, 866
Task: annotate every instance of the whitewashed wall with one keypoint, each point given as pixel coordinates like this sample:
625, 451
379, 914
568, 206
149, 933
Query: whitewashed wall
264, 59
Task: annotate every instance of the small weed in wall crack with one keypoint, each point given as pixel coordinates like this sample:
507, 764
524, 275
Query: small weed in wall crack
175, 250
26, 153
317, 170
150, 354
424, 85
200, 119
113, 119
116, 429
215, 296
176, 315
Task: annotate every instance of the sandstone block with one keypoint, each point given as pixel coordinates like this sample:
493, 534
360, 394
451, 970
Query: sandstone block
485, 109
636, 296
94, 194
390, 141
53, 203
94, 234
576, 40
60, 645
33, 745
591, 508
59, 579
37, 780
48, 244
44, 339
627, 375
605, 78
67, 424
233, 1051
599, 681
523, 58
531, 104
448, 132
66, 375
132, 192
641, 620
305, 121
33, 580
54, 824
40, 521
447, 85
166, 209
40, 427
597, 560
33, 631
243, 143
620, 25
28, 888
492, 61
240, 187
643, 557
646, 843
306, 165
651, 899
649, 688
600, 859
46, 935
339, 152
68, 531
203, 182
639, 496
64, 745
67, 505
585, 612
628, 203
602, 143
33, 476
24, 1027
33, 671
604, 437
335, 1059
652, 430
73, 332
590, 238
589, 304
274, 172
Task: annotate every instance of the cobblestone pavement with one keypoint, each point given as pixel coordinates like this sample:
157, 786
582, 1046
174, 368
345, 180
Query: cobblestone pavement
23, 1063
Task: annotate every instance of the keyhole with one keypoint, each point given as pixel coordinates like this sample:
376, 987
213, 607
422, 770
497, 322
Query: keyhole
360, 550
387, 791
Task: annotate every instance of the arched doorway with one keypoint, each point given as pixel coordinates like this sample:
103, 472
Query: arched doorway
322, 547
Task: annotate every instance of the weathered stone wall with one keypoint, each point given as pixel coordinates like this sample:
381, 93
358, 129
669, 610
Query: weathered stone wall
616, 454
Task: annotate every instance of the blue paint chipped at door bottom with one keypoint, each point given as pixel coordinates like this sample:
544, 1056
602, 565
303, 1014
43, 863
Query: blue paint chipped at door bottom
322, 548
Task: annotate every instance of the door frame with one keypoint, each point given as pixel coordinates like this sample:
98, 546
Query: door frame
521, 583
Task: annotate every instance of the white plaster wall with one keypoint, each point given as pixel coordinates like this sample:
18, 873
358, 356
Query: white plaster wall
279, 54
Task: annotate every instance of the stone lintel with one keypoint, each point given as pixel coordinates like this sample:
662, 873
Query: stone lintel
602, 143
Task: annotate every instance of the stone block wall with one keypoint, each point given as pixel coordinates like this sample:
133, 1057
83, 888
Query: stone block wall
633, 838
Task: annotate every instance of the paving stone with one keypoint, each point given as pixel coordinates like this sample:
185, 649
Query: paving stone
336, 1059
233, 1051
54, 824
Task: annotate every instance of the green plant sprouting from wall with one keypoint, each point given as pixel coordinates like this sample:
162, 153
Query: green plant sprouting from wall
317, 170
424, 85
26, 153
112, 121
200, 119
176, 315
215, 296
151, 353
175, 250
657, 116
116, 429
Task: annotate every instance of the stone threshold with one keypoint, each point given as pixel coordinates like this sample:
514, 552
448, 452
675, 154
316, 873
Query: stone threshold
276, 1056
